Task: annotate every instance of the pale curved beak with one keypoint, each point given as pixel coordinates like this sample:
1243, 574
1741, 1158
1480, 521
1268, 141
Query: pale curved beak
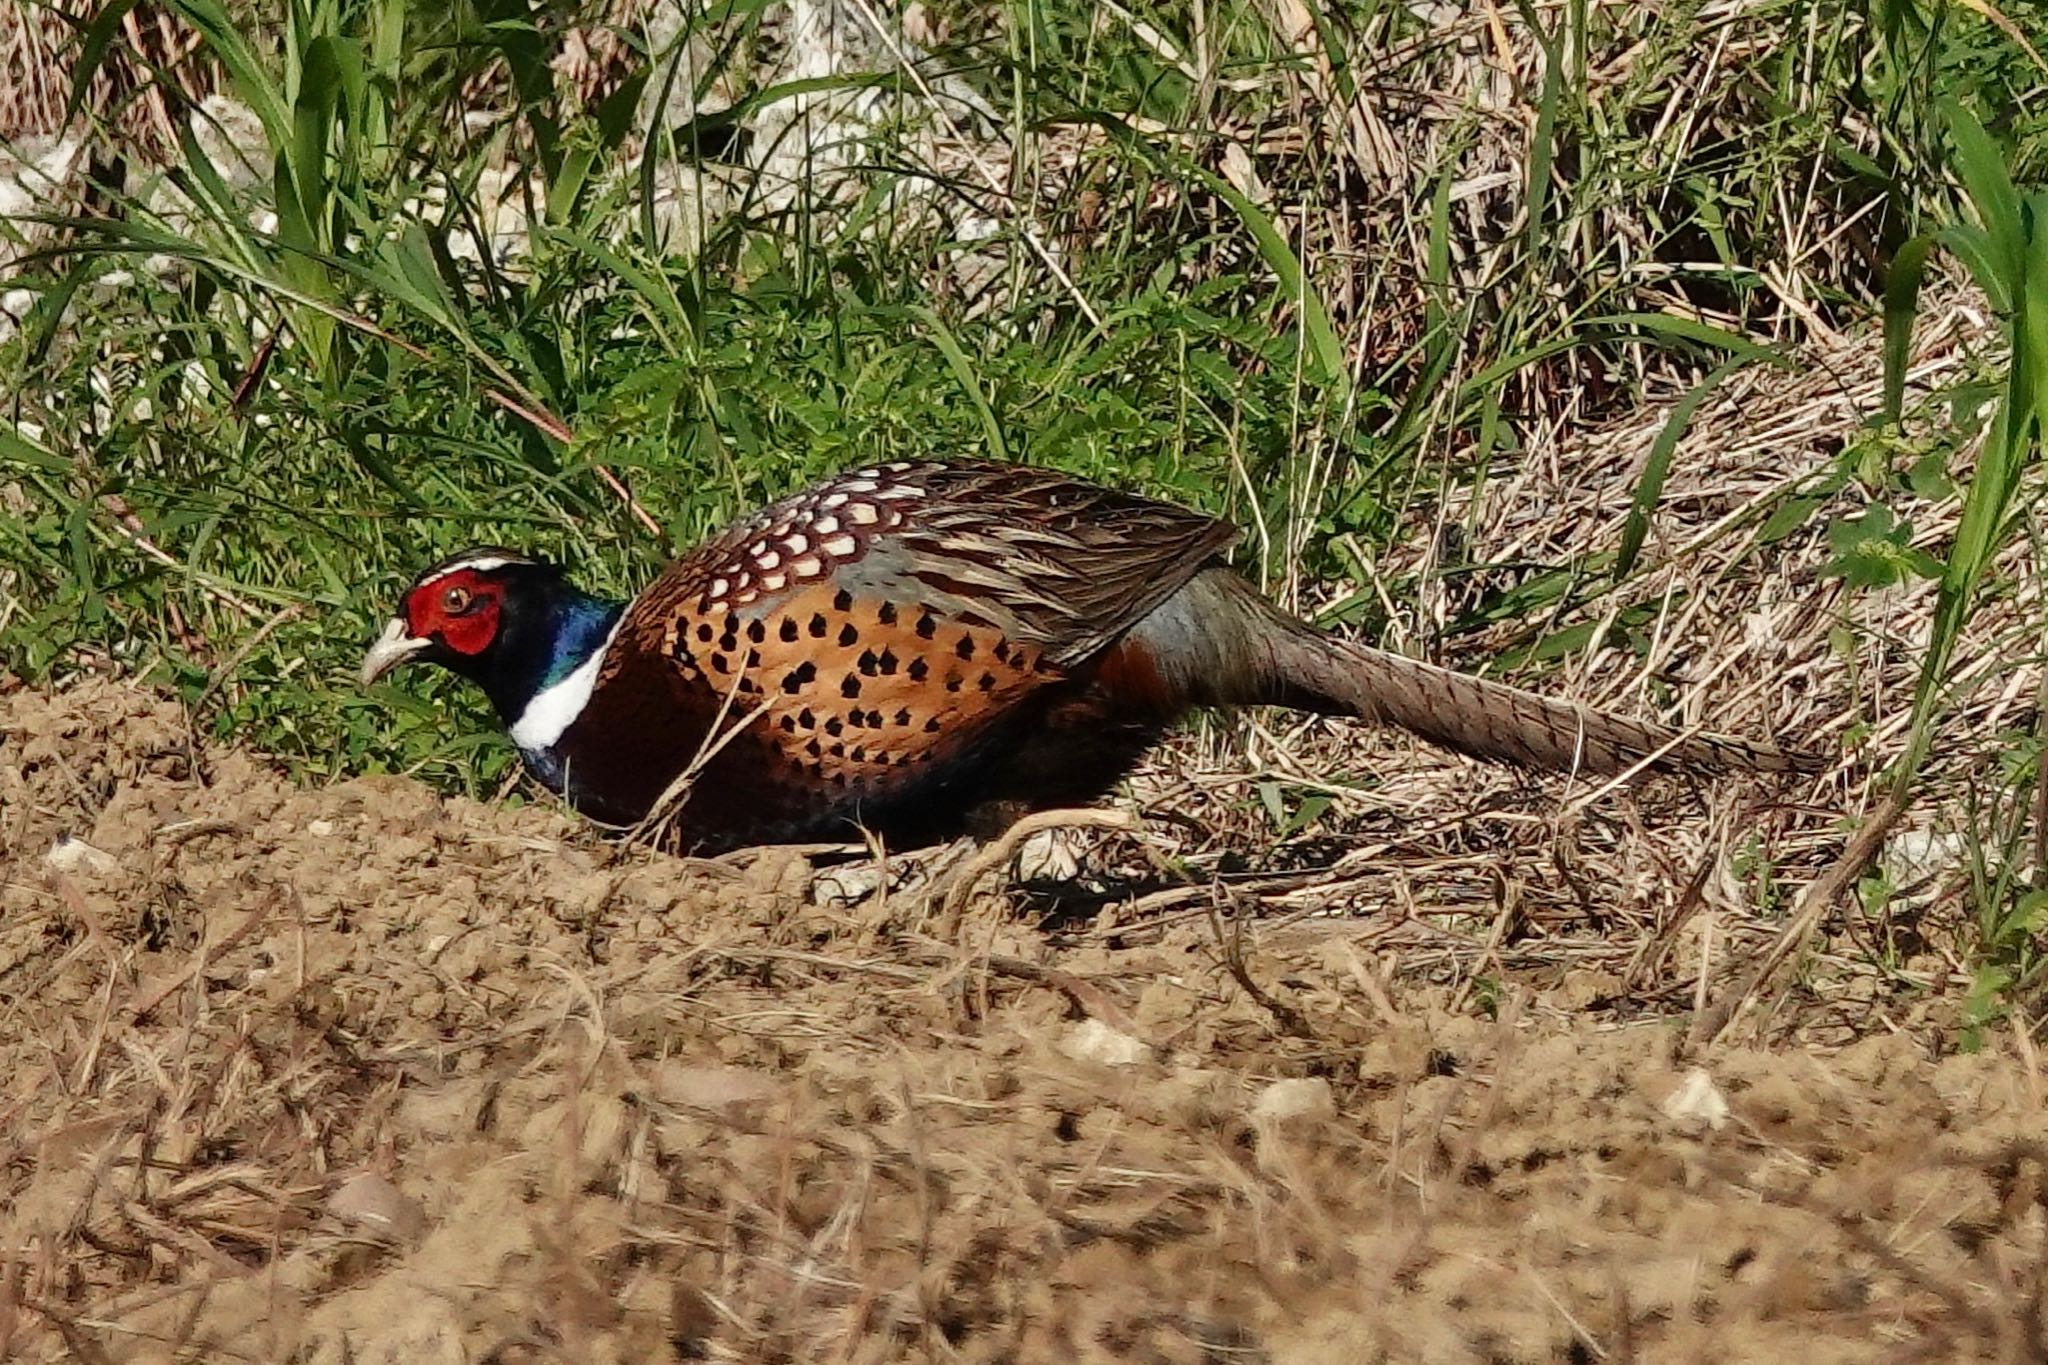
393, 648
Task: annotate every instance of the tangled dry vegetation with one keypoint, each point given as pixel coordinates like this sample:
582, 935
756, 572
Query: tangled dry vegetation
1673, 895
359, 1074
362, 1074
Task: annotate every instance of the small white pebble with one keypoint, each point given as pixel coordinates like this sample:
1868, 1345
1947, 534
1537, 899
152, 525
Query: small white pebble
371, 1206
1697, 1105
320, 829
1091, 1040
1051, 855
74, 855
843, 886
1307, 1097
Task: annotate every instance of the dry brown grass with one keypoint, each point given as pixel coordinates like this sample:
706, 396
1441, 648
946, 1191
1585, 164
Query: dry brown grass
157, 71
360, 1074
1672, 891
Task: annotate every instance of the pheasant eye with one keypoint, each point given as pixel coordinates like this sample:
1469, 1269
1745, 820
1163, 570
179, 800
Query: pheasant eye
455, 601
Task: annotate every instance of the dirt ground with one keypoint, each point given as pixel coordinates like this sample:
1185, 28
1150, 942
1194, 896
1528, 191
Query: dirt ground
361, 1074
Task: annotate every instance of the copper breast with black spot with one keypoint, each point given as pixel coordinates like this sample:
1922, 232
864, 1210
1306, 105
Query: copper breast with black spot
874, 628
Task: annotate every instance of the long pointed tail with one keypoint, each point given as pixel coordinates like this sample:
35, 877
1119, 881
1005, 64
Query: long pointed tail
1217, 642
1495, 721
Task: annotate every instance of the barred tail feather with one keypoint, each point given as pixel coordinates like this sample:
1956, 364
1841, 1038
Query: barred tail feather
1495, 721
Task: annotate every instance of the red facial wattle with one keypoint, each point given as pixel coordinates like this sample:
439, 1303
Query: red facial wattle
460, 609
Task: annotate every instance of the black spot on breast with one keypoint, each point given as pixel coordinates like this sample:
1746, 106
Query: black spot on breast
953, 680
857, 719
849, 686
806, 719
932, 726
886, 613
987, 683
757, 632
814, 749
842, 600
729, 642
719, 663
848, 636
836, 750
835, 726
1002, 651
787, 630
903, 716
704, 632
887, 662
926, 627
838, 779
965, 649
817, 626
788, 724
859, 755
918, 670
795, 680
753, 658
866, 663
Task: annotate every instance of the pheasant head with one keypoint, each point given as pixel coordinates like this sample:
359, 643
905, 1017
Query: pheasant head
516, 627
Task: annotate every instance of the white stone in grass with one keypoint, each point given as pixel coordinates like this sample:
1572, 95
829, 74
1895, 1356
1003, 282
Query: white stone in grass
1297, 1098
370, 1206
76, 855
1091, 1040
1051, 855
1697, 1105
840, 887
1919, 853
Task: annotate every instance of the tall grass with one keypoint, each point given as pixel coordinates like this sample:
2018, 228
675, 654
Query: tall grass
2005, 250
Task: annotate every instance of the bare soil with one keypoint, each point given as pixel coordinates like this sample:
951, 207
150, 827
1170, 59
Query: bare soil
362, 1074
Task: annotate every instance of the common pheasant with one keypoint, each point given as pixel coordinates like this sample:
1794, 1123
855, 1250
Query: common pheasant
923, 649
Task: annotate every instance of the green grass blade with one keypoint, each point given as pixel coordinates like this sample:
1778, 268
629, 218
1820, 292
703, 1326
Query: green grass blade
245, 68
1981, 167
1901, 306
1543, 141
963, 370
1279, 257
1656, 468
100, 35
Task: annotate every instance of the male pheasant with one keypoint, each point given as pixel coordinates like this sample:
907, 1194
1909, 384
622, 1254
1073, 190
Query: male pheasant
923, 649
